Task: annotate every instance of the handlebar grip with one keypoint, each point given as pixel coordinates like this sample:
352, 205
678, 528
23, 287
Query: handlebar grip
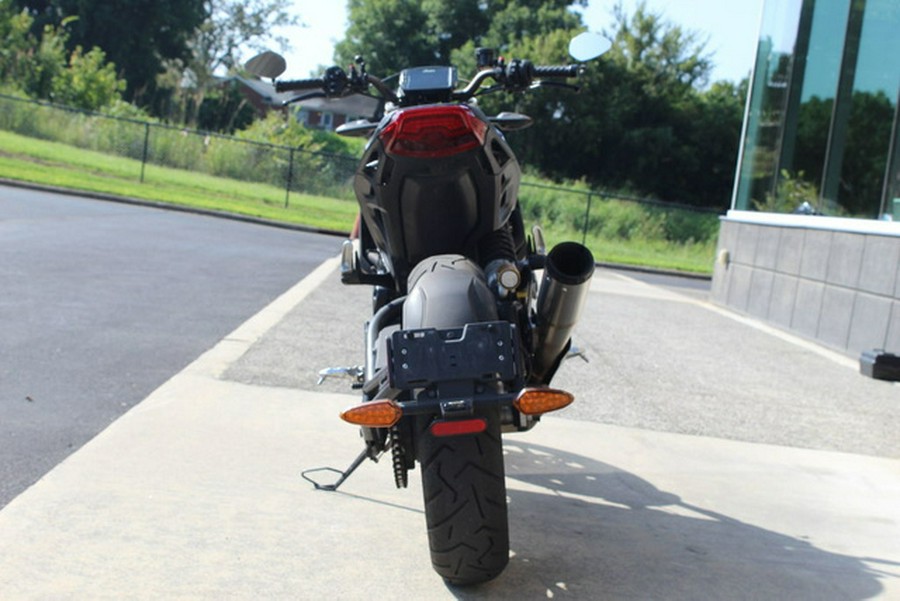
295, 85
557, 71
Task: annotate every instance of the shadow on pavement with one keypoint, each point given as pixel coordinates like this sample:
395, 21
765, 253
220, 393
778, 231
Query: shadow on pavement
601, 533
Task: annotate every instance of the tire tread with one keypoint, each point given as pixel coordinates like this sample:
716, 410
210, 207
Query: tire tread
464, 488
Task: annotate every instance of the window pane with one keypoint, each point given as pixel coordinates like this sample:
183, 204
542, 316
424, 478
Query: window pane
820, 81
872, 111
768, 99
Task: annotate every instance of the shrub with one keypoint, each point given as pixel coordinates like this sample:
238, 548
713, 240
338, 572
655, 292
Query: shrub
89, 82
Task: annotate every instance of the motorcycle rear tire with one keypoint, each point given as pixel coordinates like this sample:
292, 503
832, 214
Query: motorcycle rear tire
464, 487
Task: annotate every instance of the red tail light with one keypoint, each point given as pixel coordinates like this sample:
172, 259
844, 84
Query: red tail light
433, 131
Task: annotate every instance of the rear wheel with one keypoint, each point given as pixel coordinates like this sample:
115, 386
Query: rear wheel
465, 503
462, 476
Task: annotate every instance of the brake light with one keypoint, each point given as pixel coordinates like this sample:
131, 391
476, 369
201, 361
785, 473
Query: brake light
433, 131
534, 401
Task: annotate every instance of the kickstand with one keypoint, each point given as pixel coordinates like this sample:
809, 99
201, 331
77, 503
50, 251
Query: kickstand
344, 475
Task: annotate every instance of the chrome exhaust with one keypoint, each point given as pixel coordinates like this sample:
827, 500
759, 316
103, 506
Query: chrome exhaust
563, 292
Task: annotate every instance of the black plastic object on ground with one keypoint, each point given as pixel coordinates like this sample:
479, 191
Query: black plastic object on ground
880, 365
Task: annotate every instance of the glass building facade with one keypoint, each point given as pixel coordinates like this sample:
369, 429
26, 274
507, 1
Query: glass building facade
822, 113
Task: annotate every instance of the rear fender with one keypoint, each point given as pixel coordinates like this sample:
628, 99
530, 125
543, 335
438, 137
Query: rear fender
447, 291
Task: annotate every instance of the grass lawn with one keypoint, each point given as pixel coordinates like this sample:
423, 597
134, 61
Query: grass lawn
55, 164
657, 254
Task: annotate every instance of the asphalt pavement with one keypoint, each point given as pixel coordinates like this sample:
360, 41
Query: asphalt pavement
101, 302
707, 456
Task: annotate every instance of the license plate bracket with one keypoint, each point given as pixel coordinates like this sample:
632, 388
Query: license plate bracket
483, 352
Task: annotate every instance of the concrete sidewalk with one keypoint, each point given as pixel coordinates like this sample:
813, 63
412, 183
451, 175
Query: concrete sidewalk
678, 473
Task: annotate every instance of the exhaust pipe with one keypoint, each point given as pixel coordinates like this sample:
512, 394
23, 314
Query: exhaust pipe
564, 288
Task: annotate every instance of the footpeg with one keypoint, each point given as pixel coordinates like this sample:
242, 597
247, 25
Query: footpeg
357, 374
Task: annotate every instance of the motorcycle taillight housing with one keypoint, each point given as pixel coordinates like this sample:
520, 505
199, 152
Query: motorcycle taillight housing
433, 131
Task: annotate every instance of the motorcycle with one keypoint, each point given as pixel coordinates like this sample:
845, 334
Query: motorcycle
463, 340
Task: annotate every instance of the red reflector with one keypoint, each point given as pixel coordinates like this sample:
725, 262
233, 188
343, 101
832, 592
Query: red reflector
433, 131
458, 427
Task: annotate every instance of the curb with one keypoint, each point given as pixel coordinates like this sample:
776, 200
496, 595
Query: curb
691, 275
168, 207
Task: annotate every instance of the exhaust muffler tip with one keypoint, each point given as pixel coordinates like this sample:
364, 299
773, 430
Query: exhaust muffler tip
570, 263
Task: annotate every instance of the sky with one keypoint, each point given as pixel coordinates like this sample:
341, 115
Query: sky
729, 26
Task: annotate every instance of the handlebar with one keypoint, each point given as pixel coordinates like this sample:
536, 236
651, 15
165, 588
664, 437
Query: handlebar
297, 85
333, 83
557, 71
515, 76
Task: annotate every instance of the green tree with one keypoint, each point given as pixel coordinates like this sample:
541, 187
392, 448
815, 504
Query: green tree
26, 62
16, 42
137, 35
89, 82
43, 68
230, 27
389, 34
654, 67
640, 123
224, 109
197, 93
512, 21
669, 59
713, 132
394, 34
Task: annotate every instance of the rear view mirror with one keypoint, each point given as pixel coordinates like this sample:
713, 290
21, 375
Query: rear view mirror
587, 46
268, 64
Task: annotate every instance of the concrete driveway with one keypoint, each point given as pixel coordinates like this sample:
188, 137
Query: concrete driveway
671, 477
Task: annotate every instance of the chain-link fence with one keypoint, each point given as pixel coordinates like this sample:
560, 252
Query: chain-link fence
569, 212
152, 143
598, 215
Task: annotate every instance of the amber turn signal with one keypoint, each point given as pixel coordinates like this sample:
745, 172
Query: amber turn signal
377, 414
534, 401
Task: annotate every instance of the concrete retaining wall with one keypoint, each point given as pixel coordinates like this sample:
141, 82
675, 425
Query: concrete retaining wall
833, 280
